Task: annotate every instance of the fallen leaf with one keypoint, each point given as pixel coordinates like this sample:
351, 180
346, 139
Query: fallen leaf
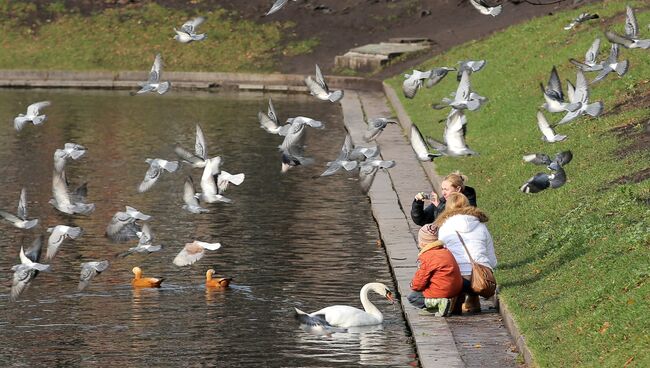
605, 327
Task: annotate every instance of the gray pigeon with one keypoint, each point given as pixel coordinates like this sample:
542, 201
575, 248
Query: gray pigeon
209, 190
454, 137
32, 115
554, 96
543, 181
70, 150
196, 159
562, 158
66, 202
292, 147
611, 64
145, 242
343, 160
189, 197
319, 89
437, 74
413, 82
20, 219
368, 169
631, 39
464, 98
88, 272
156, 167
28, 269
486, 9
153, 84
375, 127
581, 97
548, 134
583, 17
123, 225
57, 235
419, 146
269, 121
470, 66
590, 64
187, 33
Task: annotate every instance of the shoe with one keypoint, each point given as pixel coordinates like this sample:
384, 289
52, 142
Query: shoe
472, 304
456, 305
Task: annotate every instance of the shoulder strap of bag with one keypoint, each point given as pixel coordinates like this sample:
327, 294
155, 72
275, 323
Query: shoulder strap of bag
465, 246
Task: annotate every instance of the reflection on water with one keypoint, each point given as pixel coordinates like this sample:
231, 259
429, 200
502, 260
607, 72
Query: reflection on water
288, 240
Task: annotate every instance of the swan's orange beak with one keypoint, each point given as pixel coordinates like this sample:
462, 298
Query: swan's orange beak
390, 298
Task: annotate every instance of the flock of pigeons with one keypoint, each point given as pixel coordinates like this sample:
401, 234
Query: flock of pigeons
575, 104
132, 224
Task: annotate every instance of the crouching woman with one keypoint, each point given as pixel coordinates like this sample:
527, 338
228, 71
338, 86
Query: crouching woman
437, 279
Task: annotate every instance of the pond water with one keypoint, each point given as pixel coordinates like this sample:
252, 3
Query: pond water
287, 239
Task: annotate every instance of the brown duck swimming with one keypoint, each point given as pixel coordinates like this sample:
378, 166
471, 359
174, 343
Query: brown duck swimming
221, 282
139, 281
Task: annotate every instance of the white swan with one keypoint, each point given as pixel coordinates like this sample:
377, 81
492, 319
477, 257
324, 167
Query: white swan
345, 316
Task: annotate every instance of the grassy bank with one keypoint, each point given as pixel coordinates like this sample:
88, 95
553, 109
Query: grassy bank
575, 261
58, 38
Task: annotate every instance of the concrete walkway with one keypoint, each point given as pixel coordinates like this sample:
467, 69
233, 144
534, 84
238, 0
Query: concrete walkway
479, 340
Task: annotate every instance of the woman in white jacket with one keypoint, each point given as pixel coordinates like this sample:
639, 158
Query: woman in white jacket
470, 223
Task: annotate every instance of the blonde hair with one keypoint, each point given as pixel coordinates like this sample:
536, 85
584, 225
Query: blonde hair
456, 200
456, 179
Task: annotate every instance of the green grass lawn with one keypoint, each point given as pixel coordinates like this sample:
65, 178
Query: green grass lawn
574, 263
128, 38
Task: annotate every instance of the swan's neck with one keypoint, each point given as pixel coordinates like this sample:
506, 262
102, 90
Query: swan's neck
367, 305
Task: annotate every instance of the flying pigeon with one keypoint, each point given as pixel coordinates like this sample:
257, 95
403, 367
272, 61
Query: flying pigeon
209, 190
437, 74
156, 167
269, 121
189, 197
58, 234
123, 226
193, 251
32, 115
20, 219
196, 159
188, 33
470, 66
292, 147
375, 127
554, 96
224, 179
368, 169
419, 146
318, 88
28, 268
88, 272
70, 150
611, 64
145, 242
413, 82
631, 39
454, 137
343, 159
547, 131
590, 64
554, 180
464, 98
277, 6
562, 158
153, 84
581, 97
67, 202
583, 17
485, 9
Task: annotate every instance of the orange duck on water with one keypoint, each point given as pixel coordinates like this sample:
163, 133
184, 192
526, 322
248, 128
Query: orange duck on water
139, 281
221, 282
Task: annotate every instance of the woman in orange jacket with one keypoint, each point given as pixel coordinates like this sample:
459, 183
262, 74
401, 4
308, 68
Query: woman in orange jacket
437, 279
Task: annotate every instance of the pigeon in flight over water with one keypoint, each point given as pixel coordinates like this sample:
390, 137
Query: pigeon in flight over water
190, 198
188, 33
123, 226
583, 17
318, 88
88, 272
486, 9
153, 84
156, 167
343, 160
193, 252
631, 39
196, 159
58, 234
67, 202
28, 268
145, 242
32, 115
20, 219
70, 150
209, 190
